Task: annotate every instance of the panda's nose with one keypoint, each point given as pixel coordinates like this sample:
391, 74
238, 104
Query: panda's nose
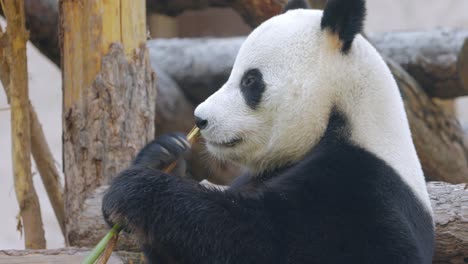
200, 122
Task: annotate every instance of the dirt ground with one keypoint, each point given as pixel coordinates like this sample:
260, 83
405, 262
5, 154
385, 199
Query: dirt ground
45, 93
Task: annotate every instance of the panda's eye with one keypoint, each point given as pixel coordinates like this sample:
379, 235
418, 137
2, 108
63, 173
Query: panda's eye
251, 79
252, 87
248, 80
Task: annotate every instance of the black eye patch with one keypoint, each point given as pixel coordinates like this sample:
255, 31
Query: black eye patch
252, 87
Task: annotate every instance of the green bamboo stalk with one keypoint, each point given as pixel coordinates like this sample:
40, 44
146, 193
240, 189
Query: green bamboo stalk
97, 251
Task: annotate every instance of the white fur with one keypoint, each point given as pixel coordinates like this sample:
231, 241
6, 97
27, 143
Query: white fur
306, 75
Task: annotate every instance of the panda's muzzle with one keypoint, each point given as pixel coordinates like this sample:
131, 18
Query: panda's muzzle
228, 144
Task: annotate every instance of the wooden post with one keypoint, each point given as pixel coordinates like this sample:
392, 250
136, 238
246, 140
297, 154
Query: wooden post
109, 96
14, 59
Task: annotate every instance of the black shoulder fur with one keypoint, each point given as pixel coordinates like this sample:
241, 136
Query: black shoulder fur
340, 204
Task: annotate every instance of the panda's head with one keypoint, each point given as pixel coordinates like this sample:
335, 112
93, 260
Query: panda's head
285, 81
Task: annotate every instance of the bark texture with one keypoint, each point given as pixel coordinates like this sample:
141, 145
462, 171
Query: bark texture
440, 141
430, 57
449, 203
13, 55
109, 95
200, 67
105, 129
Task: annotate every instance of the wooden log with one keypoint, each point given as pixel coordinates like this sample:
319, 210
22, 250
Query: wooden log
13, 55
109, 95
450, 206
430, 57
205, 64
449, 203
64, 255
198, 66
440, 141
254, 12
42, 17
171, 105
462, 64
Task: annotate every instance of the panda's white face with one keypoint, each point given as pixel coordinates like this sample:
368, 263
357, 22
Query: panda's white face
289, 75
272, 108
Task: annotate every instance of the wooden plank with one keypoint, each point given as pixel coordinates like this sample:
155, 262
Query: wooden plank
69, 256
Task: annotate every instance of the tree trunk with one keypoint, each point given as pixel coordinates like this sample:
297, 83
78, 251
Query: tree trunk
205, 64
440, 141
109, 93
13, 49
430, 57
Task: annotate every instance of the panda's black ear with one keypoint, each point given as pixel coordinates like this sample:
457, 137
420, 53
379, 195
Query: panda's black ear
295, 4
344, 19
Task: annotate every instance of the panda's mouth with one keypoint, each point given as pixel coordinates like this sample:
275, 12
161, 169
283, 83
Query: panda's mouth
226, 144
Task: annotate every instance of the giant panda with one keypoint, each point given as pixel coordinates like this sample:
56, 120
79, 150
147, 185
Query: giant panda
313, 112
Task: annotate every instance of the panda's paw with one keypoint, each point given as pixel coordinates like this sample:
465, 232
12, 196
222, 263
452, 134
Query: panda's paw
123, 199
114, 205
163, 151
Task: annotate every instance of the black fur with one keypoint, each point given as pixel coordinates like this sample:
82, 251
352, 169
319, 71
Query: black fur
252, 87
295, 4
340, 204
345, 18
